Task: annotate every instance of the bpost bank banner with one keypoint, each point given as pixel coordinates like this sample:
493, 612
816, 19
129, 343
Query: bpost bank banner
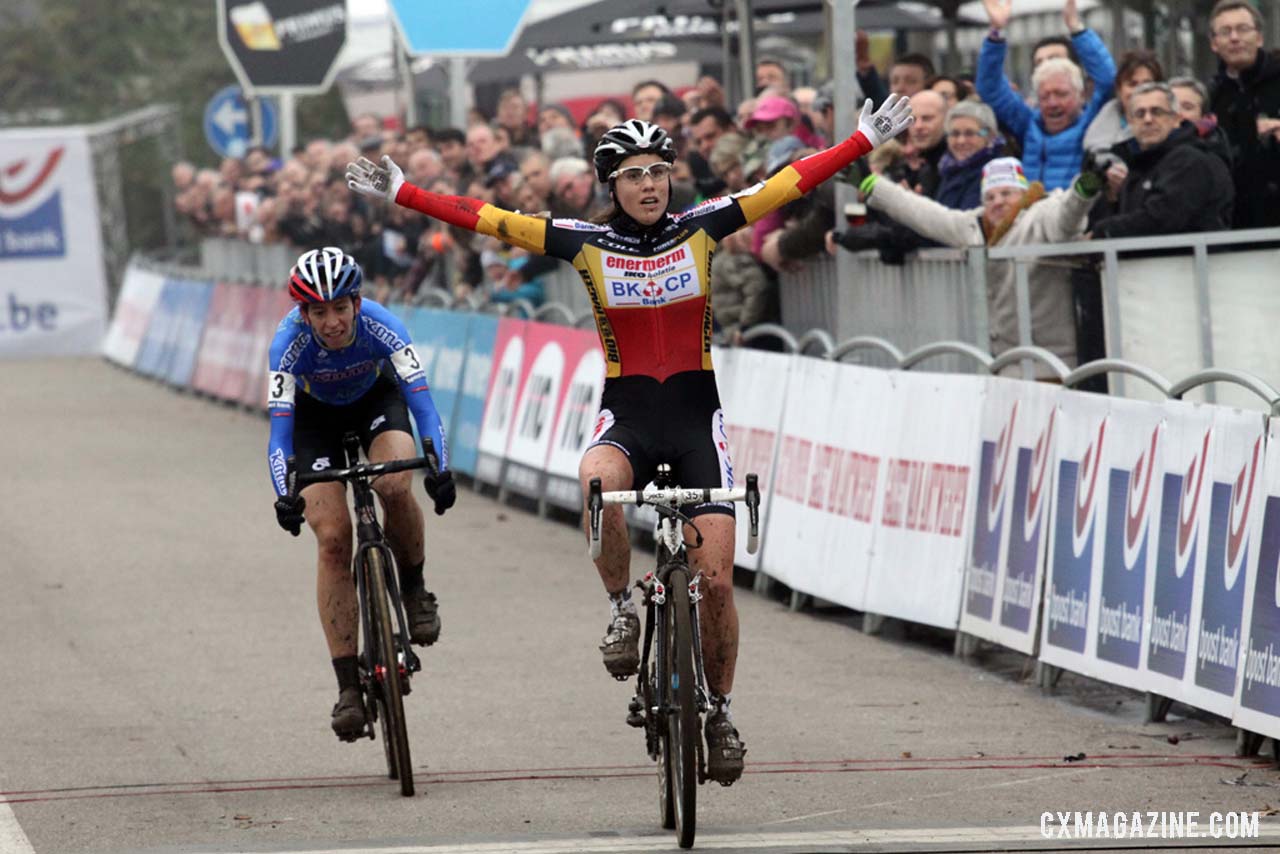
1258, 685
827, 484
753, 392
52, 282
1108, 490
510, 366
918, 562
138, 297
1010, 514
1233, 543
576, 414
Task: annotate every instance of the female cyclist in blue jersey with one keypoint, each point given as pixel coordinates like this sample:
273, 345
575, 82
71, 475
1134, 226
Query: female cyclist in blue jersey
647, 273
341, 364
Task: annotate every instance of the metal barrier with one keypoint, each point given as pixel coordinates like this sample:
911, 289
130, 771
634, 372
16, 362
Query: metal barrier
939, 294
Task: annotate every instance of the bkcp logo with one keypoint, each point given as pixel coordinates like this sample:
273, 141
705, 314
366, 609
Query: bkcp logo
1175, 566
1124, 558
31, 207
1030, 481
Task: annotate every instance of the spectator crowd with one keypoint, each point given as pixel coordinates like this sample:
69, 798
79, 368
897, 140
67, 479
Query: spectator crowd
1100, 147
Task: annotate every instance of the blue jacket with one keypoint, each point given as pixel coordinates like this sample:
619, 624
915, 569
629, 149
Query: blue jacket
961, 185
1052, 160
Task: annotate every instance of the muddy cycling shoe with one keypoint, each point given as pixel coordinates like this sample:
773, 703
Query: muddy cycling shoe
621, 644
424, 617
725, 749
348, 715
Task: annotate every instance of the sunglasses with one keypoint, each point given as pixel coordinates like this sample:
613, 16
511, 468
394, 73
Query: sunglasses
636, 174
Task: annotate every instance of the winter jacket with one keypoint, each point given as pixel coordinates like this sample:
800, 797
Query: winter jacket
1054, 159
741, 291
1238, 102
1177, 186
1107, 129
961, 184
1054, 218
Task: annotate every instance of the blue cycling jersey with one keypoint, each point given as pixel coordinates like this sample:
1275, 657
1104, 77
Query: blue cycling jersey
341, 377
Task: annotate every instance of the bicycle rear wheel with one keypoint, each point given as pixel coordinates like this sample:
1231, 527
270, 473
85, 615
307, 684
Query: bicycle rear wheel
682, 720
390, 696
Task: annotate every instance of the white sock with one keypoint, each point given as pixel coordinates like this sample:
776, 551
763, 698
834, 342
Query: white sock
621, 602
721, 702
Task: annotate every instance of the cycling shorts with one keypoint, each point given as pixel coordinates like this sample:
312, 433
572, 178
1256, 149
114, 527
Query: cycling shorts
678, 421
319, 427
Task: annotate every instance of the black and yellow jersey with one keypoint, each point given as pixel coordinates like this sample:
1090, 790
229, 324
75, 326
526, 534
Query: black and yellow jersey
650, 288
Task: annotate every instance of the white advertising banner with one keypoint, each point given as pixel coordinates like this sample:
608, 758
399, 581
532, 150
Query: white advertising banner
584, 383
753, 394
918, 563
509, 368
52, 281
138, 296
1258, 683
1232, 546
1009, 528
1185, 448
1109, 477
826, 487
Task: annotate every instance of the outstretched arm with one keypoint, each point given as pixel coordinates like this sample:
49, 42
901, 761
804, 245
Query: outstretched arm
387, 182
874, 129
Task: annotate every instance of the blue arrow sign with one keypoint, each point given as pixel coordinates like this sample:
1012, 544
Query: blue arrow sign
228, 125
475, 28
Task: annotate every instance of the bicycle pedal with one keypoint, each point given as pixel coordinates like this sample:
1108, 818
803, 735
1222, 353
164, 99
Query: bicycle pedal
635, 713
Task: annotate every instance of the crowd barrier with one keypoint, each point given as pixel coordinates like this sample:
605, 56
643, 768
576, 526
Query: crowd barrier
1132, 541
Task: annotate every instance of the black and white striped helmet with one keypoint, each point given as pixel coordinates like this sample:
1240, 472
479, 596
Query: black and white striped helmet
324, 274
634, 136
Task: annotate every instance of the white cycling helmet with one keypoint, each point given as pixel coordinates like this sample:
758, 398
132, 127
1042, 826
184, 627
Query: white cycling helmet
634, 136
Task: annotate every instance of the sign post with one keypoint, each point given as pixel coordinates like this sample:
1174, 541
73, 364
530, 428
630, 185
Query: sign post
282, 47
458, 31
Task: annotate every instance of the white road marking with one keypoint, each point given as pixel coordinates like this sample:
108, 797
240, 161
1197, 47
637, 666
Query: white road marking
12, 839
968, 836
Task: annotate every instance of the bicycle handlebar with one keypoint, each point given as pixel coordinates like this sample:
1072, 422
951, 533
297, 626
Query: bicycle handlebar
674, 497
361, 471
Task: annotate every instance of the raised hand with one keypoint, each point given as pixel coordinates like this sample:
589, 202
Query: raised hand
1071, 17
893, 117
380, 182
999, 12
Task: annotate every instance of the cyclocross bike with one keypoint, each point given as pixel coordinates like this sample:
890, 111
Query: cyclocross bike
671, 694
386, 660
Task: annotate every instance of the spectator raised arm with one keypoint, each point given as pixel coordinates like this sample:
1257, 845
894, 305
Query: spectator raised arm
1052, 134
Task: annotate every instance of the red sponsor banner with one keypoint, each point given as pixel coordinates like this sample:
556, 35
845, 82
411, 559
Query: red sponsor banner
273, 306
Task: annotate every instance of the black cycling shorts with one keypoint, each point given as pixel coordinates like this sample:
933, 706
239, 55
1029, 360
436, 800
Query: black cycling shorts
678, 421
318, 427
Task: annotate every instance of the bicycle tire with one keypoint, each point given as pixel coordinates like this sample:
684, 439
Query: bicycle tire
682, 721
389, 693
666, 801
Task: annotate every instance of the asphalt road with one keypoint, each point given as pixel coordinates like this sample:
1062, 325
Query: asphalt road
165, 685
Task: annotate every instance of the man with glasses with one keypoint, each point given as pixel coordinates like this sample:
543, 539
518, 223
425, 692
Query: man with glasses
1246, 98
1175, 183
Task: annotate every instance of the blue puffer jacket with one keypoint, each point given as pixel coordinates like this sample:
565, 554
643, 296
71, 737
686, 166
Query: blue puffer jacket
1052, 160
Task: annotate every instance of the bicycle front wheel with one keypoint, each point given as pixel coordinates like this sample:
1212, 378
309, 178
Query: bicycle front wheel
390, 696
682, 719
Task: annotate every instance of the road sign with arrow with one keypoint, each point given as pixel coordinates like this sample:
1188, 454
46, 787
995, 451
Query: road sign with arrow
228, 125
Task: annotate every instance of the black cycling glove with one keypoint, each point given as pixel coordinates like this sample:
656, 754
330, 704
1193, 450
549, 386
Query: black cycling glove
289, 513
442, 490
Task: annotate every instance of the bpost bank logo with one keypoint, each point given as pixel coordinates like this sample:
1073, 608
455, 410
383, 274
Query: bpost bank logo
630, 281
1074, 528
1023, 558
992, 477
31, 207
1180, 515
1124, 558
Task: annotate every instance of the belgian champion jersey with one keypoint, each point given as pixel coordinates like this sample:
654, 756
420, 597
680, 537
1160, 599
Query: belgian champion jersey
650, 288
339, 377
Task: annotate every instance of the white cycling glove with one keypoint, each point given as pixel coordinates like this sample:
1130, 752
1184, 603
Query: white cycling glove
893, 117
380, 182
